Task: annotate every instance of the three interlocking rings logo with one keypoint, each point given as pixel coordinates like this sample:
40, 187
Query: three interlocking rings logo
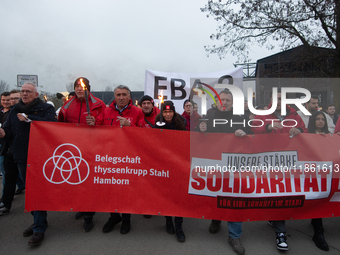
66, 165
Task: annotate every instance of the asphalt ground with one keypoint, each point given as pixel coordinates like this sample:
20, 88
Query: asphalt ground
64, 235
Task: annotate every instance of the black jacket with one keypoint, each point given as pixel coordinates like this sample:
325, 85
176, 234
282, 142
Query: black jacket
3, 118
17, 132
222, 117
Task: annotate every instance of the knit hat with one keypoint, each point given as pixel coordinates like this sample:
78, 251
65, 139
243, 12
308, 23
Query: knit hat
146, 98
168, 105
86, 82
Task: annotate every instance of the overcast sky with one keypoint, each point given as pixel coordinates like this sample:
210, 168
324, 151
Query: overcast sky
109, 42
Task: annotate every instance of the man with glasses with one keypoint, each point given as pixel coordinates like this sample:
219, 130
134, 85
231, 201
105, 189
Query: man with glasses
12, 175
4, 110
14, 96
16, 132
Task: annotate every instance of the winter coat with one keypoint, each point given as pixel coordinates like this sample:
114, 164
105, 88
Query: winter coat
110, 115
17, 132
151, 118
171, 125
75, 111
192, 121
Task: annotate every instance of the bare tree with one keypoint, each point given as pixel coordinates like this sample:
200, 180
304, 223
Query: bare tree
4, 86
244, 23
70, 87
109, 88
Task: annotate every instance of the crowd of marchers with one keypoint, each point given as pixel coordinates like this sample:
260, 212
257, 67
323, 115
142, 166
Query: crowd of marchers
20, 107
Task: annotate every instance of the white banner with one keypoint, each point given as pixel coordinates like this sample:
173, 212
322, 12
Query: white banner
178, 86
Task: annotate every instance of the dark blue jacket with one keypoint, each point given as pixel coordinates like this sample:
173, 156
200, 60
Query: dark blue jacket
17, 132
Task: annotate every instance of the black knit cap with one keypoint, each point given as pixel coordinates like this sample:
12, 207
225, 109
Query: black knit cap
146, 98
168, 105
86, 82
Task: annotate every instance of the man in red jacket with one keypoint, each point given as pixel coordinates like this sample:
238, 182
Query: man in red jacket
120, 113
149, 110
75, 111
275, 123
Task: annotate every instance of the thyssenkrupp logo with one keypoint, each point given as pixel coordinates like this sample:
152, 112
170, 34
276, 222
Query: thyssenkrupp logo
66, 165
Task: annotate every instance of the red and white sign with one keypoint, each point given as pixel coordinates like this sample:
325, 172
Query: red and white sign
165, 172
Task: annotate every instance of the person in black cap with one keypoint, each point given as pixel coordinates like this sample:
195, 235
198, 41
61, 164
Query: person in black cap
150, 112
171, 118
176, 122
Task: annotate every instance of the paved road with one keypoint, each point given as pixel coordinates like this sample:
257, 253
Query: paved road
148, 236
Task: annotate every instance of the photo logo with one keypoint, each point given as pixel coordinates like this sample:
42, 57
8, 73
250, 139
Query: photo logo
66, 165
238, 99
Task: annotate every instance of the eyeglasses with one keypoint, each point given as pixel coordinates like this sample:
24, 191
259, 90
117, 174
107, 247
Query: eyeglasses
26, 91
15, 98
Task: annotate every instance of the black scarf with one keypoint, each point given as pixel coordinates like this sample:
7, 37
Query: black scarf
25, 108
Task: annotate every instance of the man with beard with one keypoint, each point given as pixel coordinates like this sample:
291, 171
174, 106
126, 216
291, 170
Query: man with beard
330, 110
16, 131
312, 106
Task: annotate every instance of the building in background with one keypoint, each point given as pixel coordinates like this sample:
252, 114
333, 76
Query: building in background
296, 67
108, 96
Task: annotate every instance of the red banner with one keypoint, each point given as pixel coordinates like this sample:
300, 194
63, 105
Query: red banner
178, 173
